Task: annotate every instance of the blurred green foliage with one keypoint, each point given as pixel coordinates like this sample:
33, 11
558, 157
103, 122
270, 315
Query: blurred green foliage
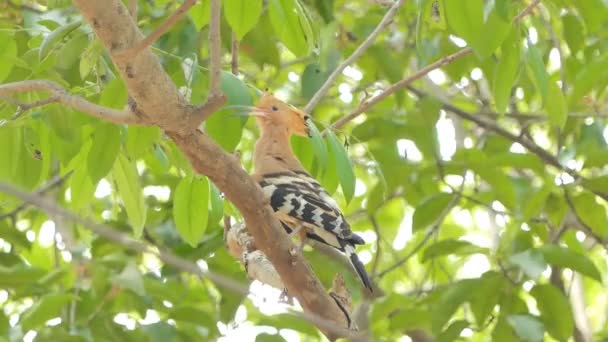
481, 190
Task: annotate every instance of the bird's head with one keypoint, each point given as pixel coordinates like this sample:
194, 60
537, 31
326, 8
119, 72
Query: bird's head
272, 112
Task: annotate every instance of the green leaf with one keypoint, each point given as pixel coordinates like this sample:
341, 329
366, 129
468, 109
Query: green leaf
129, 188
449, 301
312, 79
114, 94
536, 64
506, 71
216, 205
44, 309
451, 246
318, 145
291, 25
258, 47
565, 257
465, 18
140, 140
72, 51
531, 262
131, 278
81, 185
589, 76
452, 332
105, 148
242, 15
429, 210
554, 310
527, 327
591, 212
160, 331
200, 14
493, 33
343, 166
223, 126
486, 296
19, 276
190, 208
556, 106
54, 37
8, 54
573, 32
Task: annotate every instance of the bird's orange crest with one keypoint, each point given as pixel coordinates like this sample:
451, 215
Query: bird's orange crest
271, 111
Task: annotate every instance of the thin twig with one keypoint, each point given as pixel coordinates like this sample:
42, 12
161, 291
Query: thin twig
526, 11
160, 30
215, 49
386, 20
60, 95
53, 183
235, 55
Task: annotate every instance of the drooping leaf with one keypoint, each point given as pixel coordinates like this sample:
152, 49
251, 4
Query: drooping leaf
449, 247
130, 191
344, 166
430, 209
224, 126
190, 208
537, 66
292, 25
530, 261
103, 152
56, 36
554, 310
242, 15
556, 106
506, 71
527, 327
565, 257
318, 145
8, 54
46, 308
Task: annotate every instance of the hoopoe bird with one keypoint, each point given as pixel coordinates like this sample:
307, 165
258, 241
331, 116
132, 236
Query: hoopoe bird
300, 203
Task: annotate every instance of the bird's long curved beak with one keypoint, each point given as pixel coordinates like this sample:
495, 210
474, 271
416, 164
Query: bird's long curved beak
247, 110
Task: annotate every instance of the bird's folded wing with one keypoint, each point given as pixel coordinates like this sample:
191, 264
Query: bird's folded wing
296, 196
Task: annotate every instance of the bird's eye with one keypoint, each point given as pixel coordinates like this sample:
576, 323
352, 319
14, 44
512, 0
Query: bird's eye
306, 117
275, 108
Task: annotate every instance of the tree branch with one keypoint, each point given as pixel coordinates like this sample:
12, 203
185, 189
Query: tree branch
156, 95
59, 94
386, 20
215, 48
160, 30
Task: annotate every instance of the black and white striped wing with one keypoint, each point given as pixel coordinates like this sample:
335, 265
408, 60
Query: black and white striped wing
299, 197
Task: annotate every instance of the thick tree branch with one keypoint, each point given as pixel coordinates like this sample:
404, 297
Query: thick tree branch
160, 30
59, 94
386, 20
155, 94
215, 48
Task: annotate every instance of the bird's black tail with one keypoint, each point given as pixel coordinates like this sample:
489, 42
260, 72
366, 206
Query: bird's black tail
358, 265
